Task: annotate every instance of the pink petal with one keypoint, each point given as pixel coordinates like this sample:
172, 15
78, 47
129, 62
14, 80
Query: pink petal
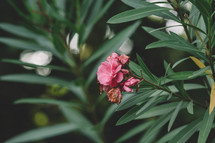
124, 59
127, 89
119, 77
104, 73
131, 82
125, 71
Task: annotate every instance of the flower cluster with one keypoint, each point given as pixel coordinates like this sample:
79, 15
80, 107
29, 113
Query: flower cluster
114, 78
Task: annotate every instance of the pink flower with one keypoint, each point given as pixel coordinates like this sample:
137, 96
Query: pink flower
130, 82
111, 77
114, 95
109, 74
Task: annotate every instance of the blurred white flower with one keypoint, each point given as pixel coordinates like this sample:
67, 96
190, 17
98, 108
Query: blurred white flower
126, 47
177, 28
73, 44
40, 58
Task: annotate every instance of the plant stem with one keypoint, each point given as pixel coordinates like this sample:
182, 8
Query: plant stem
178, 10
168, 91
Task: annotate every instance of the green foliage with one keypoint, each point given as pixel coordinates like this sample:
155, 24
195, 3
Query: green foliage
146, 106
161, 100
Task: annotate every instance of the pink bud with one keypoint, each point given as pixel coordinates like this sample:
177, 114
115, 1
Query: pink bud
130, 82
124, 59
113, 56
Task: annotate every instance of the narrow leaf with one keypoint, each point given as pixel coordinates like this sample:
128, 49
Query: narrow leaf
43, 133
129, 116
14, 61
95, 19
200, 72
146, 106
20, 44
137, 70
174, 115
45, 101
156, 33
180, 75
170, 135
134, 131
136, 3
212, 98
145, 69
201, 65
190, 107
136, 14
133, 100
159, 110
206, 126
187, 132
36, 79
179, 62
171, 44
156, 126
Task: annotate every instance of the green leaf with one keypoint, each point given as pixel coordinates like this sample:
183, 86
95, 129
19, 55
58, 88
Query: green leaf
199, 72
24, 15
203, 6
187, 86
141, 4
145, 69
45, 101
20, 44
178, 43
109, 47
187, 132
156, 33
159, 110
174, 44
134, 131
43, 133
179, 62
136, 14
18, 62
153, 101
85, 6
156, 126
136, 3
108, 114
129, 116
58, 42
170, 135
84, 125
44, 43
206, 126
18, 30
137, 70
184, 75
133, 100
174, 115
95, 19
190, 107
36, 79
112, 44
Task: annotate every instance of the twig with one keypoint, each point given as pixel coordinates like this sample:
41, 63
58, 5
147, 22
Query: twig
177, 9
167, 90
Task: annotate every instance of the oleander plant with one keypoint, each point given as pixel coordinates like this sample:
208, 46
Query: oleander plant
96, 89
